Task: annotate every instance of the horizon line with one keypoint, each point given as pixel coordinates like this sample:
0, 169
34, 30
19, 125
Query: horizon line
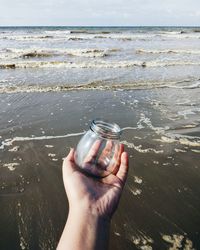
103, 26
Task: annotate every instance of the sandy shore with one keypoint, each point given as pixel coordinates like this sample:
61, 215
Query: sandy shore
160, 205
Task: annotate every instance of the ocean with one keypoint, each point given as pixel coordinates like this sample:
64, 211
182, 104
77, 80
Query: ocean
37, 58
53, 82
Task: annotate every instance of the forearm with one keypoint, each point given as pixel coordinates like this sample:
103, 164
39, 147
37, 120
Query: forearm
84, 231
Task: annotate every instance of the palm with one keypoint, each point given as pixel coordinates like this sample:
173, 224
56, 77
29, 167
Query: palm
100, 195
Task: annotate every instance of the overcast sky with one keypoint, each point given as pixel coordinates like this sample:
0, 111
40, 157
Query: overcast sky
100, 12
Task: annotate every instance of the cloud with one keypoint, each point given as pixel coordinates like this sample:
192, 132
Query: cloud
103, 12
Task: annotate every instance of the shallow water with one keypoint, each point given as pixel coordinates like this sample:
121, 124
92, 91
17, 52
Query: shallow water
72, 56
43, 114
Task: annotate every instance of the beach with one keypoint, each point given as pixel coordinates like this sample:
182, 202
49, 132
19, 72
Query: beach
53, 82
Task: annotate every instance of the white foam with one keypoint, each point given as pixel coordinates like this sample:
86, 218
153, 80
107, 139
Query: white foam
169, 51
9, 142
166, 139
180, 139
3, 81
51, 155
11, 166
49, 146
178, 241
11, 53
135, 191
142, 241
189, 126
58, 32
54, 159
140, 149
193, 84
137, 180
14, 149
178, 150
97, 85
188, 142
129, 128
146, 122
195, 150
98, 64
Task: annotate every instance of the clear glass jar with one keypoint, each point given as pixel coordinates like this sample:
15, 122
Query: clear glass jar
98, 151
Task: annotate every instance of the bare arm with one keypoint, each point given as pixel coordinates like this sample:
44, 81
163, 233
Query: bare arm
92, 203
84, 231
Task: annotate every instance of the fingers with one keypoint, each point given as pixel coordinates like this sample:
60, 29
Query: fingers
123, 169
117, 159
93, 151
68, 166
70, 156
107, 148
104, 157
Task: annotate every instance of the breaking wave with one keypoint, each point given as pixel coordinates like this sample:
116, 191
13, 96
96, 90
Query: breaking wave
85, 34
98, 85
168, 51
11, 53
89, 32
94, 63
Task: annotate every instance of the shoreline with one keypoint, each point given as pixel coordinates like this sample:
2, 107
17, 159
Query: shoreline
160, 169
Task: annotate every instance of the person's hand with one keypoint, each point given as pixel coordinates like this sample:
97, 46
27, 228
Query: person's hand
98, 196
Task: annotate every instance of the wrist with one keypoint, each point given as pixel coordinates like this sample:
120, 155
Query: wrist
91, 228
89, 213
85, 230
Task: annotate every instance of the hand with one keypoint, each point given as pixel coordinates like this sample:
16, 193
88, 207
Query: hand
97, 196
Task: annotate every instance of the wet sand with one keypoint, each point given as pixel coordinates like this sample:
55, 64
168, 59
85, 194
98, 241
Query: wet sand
161, 200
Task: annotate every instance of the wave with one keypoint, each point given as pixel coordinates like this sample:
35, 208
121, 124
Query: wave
4, 81
57, 32
44, 38
95, 85
28, 38
45, 34
184, 31
94, 63
105, 34
11, 53
75, 35
89, 52
55, 35
140, 36
89, 32
81, 31
194, 85
35, 54
168, 51
76, 39
181, 36
196, 30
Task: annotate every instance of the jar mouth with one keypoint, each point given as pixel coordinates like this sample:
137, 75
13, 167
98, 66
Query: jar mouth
106, 129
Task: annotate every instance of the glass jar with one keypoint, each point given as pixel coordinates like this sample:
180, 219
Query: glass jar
98, 151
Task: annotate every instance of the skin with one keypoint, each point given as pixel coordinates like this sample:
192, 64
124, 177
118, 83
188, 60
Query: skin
92, 203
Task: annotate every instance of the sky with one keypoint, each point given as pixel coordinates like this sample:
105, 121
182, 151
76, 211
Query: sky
100, 12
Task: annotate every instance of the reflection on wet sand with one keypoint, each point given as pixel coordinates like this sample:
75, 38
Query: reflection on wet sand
160, 205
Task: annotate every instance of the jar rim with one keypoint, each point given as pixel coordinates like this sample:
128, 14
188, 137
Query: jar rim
105, 129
